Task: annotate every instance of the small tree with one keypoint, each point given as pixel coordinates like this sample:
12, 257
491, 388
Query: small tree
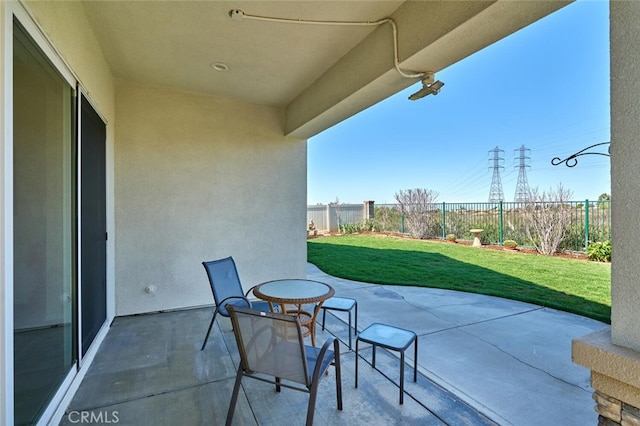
387, 218
417, 206
336, 206
547, 218
603, 200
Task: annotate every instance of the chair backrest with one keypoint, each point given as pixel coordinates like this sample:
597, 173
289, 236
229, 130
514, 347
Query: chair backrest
270, 343
223, 277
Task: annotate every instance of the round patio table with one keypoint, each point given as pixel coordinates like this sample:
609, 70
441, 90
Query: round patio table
296, 292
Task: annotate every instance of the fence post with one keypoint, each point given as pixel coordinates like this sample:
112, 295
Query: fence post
586, 224
369, 209
500, 235
444, 222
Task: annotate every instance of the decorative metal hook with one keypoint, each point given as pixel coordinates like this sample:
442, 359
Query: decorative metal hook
572, 161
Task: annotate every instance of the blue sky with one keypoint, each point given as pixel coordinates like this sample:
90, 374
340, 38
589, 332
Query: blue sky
545, 87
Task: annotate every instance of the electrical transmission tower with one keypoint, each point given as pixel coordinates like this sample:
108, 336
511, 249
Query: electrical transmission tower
495, 193
522, 186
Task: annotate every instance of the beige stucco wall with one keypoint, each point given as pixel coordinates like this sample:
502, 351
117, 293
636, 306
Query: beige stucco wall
625, 172
200, 178
65, 23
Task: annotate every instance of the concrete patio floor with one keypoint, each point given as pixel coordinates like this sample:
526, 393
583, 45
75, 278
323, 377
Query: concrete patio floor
481, 361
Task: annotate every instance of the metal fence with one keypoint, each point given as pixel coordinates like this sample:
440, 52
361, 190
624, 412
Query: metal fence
590, 221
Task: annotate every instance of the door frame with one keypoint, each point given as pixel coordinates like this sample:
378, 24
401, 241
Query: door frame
60, 400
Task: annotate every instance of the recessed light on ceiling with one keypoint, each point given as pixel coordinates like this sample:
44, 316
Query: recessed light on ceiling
220, 66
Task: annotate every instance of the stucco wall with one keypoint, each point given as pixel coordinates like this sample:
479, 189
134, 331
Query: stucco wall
625, 172
65, 23
200, 178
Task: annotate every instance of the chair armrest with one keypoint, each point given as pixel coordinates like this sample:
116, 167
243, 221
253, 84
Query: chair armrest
250, 290
246, 295
317, 371
223, 301
272, 306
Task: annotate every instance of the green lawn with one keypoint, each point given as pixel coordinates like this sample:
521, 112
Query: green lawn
576, 286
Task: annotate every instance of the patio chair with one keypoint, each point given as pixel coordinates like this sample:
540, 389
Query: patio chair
272, 345
227, 290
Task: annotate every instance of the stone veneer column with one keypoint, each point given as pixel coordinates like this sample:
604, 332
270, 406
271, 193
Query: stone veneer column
613, 355
615, 376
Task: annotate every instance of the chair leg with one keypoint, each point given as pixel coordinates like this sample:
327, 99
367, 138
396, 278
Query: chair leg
234, 397
349, 329
373, 358
313, 391
311, 408
209, 330
336, 350
355, 327
324, 316
415, 360
357, 341
401, 377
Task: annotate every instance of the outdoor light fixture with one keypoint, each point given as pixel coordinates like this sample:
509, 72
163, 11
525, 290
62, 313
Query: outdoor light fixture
429, 86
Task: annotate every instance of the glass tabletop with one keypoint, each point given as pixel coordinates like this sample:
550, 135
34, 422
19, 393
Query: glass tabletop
388, 336
293, 289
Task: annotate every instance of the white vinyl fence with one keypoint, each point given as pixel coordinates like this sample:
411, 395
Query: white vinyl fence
329, 217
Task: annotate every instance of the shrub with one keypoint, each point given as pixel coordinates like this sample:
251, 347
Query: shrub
600, 251
369, 225
490, 232
451, 237
350, 228
547, 218
419, 210
388, 219
510, 243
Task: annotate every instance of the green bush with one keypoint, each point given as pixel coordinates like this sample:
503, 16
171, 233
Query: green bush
350, 228
574, 238
388, 219
490, 232
510, 243
600, 251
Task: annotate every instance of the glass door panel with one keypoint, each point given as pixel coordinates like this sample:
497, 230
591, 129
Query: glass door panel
44, 228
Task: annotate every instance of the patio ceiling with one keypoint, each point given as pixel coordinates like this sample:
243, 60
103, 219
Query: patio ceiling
320, 75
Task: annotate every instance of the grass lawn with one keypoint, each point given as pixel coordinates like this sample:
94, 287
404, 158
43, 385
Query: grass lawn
576, 286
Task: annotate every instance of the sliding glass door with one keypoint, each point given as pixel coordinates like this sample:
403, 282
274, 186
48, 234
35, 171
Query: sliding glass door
93, 223
44, 228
